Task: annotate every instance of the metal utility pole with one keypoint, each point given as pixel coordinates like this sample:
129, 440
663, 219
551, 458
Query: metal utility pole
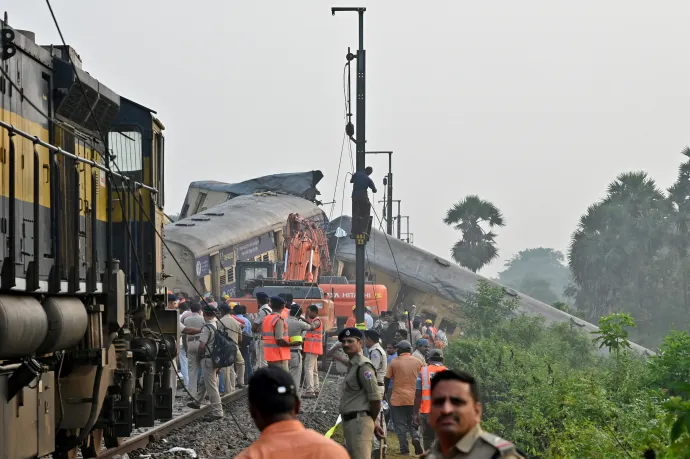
361, 235
407, 234
389, 183
390, 211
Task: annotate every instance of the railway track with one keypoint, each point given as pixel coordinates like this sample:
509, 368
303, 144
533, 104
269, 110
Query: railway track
159, 432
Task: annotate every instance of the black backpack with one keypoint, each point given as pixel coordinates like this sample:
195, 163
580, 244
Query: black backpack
224, 348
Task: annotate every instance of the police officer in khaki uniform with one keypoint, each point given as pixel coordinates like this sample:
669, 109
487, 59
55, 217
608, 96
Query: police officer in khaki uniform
360, 401
455, 416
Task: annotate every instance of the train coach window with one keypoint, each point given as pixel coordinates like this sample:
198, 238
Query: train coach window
448, 326
428, 315
160, 165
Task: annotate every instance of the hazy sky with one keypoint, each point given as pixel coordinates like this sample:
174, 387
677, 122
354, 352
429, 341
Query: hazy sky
533, 105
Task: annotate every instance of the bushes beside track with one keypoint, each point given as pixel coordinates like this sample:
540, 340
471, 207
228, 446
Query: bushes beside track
546, 388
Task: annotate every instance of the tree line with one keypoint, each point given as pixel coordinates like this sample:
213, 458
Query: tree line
630, 252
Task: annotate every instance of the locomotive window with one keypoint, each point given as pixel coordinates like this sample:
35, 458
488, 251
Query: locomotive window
126, 147
160, 165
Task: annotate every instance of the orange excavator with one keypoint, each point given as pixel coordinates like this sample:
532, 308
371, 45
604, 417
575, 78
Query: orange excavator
306, 254
307, 258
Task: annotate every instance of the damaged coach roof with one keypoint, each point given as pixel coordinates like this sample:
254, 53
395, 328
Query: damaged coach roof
237, 220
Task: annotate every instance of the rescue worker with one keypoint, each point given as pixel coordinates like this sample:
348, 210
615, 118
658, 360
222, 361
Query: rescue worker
422, 350
368, 319
404, 370
233, 374
240, 312
430, 331
173, 301
351, 321
378, 359
208, 373
274, 405
296, 328
184, 366
416, 334
441, 339
422, 400
194, 320
361, 207
455, 416
313, 348
360, 400
274, 334
263, 310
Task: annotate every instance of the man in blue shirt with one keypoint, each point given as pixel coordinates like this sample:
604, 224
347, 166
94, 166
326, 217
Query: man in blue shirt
240, 311
361, 207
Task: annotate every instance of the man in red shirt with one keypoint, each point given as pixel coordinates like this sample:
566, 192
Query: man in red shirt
274, 405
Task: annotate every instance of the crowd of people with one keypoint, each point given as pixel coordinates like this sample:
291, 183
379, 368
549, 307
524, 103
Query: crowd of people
395, 380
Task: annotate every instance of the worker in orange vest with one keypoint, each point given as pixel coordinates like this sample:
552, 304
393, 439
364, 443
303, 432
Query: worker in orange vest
351, 321
274, 335
429, 332
313, 348
422, 400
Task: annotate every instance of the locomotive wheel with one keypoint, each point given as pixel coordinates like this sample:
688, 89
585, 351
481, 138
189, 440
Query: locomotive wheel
93, 445
110, 440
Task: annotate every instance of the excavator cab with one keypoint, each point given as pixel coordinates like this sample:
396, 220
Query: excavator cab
249, 272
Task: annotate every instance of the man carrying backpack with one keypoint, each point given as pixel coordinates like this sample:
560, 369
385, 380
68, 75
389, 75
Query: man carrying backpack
209, 373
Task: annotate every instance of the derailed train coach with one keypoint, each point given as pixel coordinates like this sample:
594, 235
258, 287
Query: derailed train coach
209, 245
428, 285
86, 345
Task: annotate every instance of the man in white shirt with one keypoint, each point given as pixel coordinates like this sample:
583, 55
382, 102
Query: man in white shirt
368, 319
208, 373
264, 310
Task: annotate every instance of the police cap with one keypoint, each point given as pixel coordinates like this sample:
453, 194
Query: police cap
225, 308
277, 300
351, 332
172, 297
422, 342
261, 296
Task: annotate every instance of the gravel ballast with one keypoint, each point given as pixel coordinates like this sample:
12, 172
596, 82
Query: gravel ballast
225, 439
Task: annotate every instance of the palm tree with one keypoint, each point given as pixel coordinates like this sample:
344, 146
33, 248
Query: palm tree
477, 247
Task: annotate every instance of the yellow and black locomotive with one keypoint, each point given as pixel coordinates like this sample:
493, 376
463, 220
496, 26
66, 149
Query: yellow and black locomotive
87, 346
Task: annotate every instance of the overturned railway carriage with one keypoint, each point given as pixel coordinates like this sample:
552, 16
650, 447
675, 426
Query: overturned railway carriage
437, 287
86, 346
246, 228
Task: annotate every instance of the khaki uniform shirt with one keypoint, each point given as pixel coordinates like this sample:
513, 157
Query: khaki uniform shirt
477, 444
233, 328
420, 356
194, 320
359, 387
208, 335
297, 327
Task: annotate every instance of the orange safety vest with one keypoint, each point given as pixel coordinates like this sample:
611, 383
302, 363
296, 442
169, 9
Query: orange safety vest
350, 322
285, 313
273, 352
313, 340
427, 373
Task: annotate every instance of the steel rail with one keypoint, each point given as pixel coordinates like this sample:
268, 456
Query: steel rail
157, 433
11, 129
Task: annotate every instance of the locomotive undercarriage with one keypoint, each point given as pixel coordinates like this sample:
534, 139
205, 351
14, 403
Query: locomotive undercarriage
83, 372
